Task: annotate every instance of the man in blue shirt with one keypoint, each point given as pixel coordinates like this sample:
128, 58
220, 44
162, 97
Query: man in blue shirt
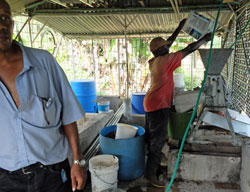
38, 114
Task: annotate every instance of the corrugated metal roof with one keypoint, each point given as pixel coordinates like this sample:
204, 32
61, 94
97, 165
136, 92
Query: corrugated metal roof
109, 26
85, 23
18, 6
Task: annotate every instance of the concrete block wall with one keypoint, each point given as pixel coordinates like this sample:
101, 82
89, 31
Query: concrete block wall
245, 168
205, 168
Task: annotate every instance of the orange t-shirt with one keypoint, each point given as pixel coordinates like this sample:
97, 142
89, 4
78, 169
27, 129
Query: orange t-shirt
160, 93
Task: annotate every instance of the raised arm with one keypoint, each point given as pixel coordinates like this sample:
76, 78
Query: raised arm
172, 38
194, 46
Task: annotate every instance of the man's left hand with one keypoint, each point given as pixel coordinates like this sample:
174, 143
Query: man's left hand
78, 177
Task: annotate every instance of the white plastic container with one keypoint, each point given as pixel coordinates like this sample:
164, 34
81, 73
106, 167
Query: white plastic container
197, 25
125, 131
186, 100
104, 172
103, 106
179, 80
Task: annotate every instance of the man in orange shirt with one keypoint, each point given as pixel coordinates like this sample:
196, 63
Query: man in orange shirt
159, 97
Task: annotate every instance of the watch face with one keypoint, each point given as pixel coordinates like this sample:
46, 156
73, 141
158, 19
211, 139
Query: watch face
82, 162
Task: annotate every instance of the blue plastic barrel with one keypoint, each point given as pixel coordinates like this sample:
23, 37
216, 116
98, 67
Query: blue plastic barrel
130, 152
137, 103
85, 92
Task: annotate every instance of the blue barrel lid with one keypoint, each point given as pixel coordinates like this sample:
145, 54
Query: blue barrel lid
82, 80
139, 93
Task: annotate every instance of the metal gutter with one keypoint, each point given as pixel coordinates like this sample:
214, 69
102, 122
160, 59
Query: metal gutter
122, 11
121, 35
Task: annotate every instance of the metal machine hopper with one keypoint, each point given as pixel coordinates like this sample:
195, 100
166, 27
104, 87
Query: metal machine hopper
214, 89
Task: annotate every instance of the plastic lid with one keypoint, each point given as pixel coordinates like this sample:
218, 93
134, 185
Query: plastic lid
139, 93
82, 80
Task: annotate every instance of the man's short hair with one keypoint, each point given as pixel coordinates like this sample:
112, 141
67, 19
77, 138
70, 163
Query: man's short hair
6, 4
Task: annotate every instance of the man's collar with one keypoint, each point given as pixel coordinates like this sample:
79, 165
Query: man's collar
26, 59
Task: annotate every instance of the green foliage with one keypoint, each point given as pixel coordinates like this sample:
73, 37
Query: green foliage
21, 40
112, 44
139, 47
180, 43
188, 81
178, 70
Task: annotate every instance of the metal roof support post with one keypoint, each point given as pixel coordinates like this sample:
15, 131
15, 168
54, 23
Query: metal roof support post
57, 47
246, 56
242, 9
28, 20
86, 3
177, 7
93, 58
126, 45
175, 10
119, 66
40, 31
219, 23
234, 48
72, 60
231, 57
59, 3
192, 71
30, 33
232, 10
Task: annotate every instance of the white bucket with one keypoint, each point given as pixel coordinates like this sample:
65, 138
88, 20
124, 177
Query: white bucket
103, 106
125, 131
179, 80
104, 172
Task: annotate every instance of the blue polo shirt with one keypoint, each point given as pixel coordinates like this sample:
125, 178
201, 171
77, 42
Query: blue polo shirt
33, 132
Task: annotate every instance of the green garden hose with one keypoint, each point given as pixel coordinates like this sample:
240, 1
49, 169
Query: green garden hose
197, 102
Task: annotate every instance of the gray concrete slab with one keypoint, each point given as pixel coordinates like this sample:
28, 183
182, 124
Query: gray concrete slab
205, 168
140, 185
90, 126
245, 167
190, 186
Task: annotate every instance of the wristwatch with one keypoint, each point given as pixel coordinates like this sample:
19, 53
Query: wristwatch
81, 163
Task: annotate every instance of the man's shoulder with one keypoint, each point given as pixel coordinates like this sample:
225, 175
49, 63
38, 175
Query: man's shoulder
37, 52
38, 57
171, 55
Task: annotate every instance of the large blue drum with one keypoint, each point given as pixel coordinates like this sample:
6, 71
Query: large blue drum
131, 152
137, 103
85, 91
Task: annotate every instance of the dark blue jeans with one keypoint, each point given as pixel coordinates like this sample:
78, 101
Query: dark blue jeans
156, 126
36, 178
